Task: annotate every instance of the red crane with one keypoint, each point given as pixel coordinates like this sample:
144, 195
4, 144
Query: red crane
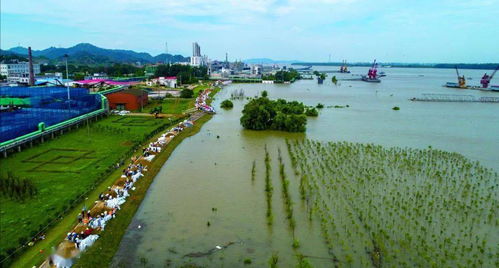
486, 78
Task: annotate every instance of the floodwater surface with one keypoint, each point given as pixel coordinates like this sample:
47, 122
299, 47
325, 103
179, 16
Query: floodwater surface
204, 195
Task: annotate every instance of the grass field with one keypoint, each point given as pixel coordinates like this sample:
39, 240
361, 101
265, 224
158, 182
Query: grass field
65, 168
171, 105
199, 88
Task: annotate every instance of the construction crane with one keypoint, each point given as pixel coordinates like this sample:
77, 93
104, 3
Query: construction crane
485, 81
461, 80
372, 74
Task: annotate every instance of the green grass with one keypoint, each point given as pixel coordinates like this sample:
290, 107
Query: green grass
200, 88
65, 168
171, 105
104, 249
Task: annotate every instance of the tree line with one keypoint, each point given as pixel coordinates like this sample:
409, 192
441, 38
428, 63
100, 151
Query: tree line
185, 74
283, 76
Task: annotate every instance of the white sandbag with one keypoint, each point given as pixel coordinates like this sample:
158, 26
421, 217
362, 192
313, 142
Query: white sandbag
88, 242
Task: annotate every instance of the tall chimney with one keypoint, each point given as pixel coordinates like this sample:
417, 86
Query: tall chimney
31, 72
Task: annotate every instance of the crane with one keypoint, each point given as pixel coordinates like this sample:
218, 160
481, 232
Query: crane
486, 78
461, 80
372, 74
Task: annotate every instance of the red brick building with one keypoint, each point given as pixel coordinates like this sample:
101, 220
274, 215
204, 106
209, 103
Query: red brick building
129, 99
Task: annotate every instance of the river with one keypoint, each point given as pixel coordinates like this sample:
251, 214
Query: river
208, 177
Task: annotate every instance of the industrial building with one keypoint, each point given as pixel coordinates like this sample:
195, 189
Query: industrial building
129, 99
18, 71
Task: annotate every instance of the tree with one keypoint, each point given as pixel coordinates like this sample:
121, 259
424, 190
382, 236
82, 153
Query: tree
312, 112
262, 113
258, 114
186, 93
334, 80
227, 104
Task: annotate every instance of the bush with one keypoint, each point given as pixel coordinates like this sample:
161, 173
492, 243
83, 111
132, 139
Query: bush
319, 106
396, 108
312, 112
186, 93
227, 104
16, 188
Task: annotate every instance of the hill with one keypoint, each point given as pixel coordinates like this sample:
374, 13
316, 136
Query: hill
85, 53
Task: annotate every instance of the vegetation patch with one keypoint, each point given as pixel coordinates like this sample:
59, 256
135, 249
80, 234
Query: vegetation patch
268, 187
399, 207
170, 105
16, 188
227, 104
263, 114
311, 112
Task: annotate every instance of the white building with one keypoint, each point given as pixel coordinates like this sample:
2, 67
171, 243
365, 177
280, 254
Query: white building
163, 81
97, 76
18, 72
197, 59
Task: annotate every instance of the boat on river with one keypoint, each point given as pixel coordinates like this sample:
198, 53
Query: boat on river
454, 85
365, 78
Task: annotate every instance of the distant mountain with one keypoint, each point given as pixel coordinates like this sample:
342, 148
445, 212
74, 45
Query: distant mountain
19, 50
10, 57
85, 53
166, 58
268, 61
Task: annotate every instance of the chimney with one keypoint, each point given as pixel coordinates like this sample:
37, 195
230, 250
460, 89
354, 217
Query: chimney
31, 72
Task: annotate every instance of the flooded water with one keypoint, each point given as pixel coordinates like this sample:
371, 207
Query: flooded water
204, 196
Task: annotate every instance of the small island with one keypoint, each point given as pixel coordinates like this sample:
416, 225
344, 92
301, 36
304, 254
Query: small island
264, 114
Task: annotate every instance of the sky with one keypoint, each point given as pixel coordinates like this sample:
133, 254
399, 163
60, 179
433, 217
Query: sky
308, 30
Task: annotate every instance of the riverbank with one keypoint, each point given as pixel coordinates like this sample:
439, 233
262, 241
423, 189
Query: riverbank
39, 251
108, 244
66, 171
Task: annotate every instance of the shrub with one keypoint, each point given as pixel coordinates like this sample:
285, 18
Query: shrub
319, 106
16, 188
227, 104
396, 108
312, 112
186, 93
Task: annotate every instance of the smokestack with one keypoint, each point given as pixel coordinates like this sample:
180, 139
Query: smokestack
31, 72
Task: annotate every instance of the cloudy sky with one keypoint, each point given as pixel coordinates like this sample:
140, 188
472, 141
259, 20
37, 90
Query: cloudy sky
310, 30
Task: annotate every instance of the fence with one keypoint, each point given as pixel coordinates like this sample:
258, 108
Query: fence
49, 105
